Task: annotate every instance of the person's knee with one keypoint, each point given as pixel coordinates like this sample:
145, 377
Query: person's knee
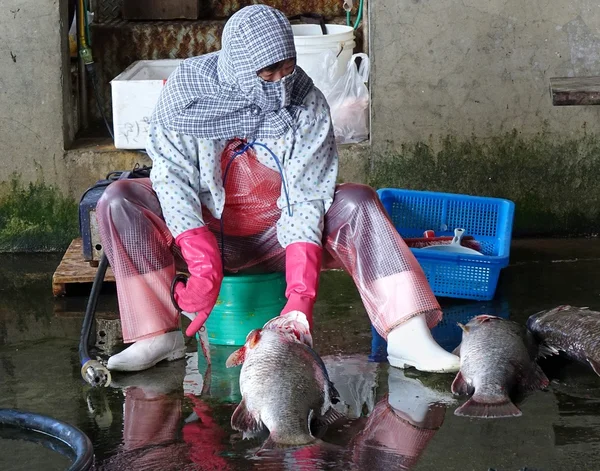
116, 195
355, 194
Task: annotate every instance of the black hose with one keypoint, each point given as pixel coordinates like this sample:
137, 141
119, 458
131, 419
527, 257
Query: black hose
90, 311
77, 441
91, 70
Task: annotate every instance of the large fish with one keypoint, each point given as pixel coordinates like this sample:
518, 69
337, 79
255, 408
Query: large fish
497, 358
572, 330
284, 384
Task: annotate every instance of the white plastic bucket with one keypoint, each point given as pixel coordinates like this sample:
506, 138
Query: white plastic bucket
311, 43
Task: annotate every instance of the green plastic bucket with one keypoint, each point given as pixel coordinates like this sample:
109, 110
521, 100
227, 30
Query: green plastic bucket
245, 302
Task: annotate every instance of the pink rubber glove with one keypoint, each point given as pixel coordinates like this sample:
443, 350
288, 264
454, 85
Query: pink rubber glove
200, 250
302, 269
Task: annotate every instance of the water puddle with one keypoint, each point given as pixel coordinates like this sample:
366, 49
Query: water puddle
171, 418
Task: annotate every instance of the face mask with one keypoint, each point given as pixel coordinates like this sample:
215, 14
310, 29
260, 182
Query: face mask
277, 95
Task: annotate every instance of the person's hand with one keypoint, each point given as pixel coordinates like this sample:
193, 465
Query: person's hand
302, 269
199, 295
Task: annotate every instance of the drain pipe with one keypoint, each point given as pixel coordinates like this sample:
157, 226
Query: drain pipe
83, 101
92, 370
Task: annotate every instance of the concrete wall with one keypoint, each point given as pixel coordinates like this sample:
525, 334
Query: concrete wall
461, 103
469, 70
33, 60
461, 68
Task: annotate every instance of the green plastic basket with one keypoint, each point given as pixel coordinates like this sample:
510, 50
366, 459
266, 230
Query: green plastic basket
245, 302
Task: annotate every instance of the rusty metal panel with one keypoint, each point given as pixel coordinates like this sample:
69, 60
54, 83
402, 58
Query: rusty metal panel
161, 9
328, 8
107, 10
118, 43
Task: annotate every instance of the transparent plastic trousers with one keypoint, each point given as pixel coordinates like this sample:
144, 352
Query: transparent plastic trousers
358, 237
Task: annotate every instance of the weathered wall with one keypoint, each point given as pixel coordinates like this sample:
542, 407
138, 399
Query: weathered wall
461, 104
34, 127
32, 78
478, 68
450, 83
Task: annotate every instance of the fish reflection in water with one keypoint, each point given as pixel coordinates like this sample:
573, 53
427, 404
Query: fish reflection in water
388, 430
391, 433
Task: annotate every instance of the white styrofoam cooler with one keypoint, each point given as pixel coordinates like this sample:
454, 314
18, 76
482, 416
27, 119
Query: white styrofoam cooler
135, 93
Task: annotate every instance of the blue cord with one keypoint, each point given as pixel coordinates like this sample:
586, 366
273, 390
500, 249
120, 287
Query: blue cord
247, 146
287, 198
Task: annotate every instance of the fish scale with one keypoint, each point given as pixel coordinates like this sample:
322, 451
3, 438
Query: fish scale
572, 330
276, 395
497, 360
284, 386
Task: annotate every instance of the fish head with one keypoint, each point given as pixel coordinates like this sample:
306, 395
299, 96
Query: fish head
533, 320
239, 356
293, 326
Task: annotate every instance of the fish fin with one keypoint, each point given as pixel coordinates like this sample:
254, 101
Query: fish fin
244, 421
595, 365
328, 418
464, 328
456, 351
546, 350
537, 379
236, 358
460, 386
476, 407
268, 444
485, 318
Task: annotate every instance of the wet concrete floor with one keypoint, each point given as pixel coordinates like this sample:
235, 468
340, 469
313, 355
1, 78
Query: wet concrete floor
161, 419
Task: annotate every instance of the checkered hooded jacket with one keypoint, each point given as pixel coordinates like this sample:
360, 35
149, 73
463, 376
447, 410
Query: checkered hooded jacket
220, 96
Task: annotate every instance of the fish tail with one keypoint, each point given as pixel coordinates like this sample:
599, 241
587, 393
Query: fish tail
488, 408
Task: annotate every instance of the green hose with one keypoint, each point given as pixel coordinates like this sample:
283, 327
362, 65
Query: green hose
358, 16
85, 51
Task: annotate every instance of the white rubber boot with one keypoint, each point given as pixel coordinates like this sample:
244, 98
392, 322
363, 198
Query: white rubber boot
146, 353
155, 382
411, 344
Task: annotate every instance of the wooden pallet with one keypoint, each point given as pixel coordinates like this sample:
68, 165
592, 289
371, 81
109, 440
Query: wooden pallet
74, 269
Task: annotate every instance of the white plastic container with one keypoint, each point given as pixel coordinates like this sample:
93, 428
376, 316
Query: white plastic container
135, 93
311, 43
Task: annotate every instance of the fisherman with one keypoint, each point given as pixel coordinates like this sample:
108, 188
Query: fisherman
244, 180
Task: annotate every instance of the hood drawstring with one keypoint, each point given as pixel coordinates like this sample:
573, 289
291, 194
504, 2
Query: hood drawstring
245, 147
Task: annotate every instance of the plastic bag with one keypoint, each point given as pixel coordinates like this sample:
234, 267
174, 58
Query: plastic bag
348, 99
326, 74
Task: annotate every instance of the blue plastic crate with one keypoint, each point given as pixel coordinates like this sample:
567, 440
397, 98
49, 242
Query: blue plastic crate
488, 220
